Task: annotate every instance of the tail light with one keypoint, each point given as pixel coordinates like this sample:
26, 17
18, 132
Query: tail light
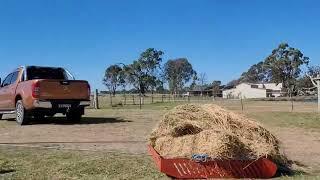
89, 91
36, 89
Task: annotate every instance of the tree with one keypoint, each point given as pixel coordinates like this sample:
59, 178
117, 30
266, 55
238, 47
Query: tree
202, 82
178, 72
143, 73
232, 83
194, 81
255, 74
304, 82
216, 88
113, 78
283, 65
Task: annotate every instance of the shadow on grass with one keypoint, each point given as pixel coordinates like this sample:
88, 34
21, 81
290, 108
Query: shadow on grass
289, 172
6, 171
84, 120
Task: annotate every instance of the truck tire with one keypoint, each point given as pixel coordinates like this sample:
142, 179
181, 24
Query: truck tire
74, 116
1, 116
21, 114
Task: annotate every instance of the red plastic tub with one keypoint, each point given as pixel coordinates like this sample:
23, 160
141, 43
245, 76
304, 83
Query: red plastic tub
183, 168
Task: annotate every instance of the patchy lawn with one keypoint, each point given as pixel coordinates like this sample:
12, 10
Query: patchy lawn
308, 121
27, 163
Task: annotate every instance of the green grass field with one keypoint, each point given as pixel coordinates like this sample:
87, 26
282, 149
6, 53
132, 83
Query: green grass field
42, 163
308, 121
27, 163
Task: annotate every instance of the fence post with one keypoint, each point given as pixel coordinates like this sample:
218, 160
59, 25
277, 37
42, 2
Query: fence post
188, 98
142, 98
140, 102
162, 98
241, 104
152, 98
111, 99
134, 103
95, 99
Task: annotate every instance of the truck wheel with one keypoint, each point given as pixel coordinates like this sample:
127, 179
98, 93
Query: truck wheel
1, 116
74, 116
21, 114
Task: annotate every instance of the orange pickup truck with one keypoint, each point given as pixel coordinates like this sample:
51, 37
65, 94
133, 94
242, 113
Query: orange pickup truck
34, 91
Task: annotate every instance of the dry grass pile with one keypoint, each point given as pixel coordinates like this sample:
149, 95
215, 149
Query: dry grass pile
209, 129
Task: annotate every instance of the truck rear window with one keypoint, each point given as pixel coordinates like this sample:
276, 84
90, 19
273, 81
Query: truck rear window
46, 73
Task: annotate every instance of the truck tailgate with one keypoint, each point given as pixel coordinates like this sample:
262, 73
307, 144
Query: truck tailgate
59, 89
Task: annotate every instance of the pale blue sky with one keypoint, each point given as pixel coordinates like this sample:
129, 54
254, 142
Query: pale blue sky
221, 38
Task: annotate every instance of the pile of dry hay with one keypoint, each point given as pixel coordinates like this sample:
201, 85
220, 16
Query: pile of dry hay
209, 129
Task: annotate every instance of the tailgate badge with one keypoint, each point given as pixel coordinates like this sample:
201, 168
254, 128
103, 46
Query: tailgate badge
65, 88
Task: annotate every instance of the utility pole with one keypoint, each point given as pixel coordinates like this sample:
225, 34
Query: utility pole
316, 82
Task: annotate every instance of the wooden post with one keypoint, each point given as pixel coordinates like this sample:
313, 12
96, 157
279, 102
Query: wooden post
142, 98
95, 99
241, 104
162, 98
140, 101
318, 87
134, 103
111, 99
290, 94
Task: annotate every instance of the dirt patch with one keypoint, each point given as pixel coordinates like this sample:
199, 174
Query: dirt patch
106, 130
301, 146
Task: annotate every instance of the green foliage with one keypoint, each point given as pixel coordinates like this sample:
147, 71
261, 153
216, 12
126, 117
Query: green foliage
233, 83
113, 78
216, 88
304, 82
178, 72
255, 74
284, 65
144, 72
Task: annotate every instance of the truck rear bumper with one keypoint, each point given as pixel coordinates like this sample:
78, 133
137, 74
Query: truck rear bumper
49, 104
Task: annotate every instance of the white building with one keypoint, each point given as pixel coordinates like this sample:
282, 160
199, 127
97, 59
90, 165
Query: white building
249, 90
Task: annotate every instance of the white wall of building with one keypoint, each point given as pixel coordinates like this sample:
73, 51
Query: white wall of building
244, 91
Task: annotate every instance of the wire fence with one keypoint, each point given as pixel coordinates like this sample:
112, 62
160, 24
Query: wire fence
287, 104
